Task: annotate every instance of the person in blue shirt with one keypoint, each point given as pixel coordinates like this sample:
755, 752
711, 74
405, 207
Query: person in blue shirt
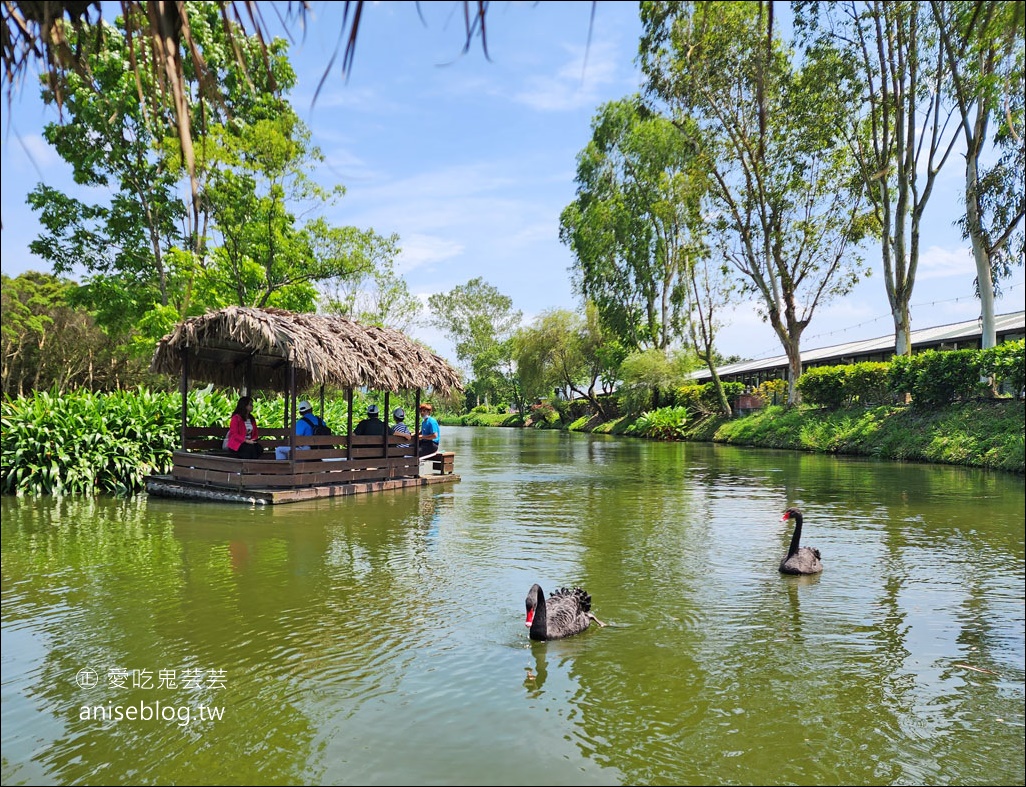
429, 431
304, 428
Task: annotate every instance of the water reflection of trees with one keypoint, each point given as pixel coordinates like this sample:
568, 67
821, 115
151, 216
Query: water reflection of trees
254, 592
712, 666
731, 662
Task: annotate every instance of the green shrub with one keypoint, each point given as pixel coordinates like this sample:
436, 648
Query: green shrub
866, 383
945, 376
543, 415
824, 386
666, 423
690, 397
1006, 363
772, 392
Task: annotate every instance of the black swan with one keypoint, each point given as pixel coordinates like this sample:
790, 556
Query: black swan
799, 560
567, 612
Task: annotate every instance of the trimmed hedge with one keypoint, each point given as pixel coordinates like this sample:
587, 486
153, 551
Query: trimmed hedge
929, 379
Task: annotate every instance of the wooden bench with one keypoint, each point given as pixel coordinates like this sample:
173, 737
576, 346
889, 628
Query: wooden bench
443, 462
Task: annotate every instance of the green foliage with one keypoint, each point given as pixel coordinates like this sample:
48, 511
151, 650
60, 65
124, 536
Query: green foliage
1007, 364
636, 221
89, 443
936, 378
666, 423
866, 382
650, 378
772, 391
481, 321
690, 397
979, 433
85, 443
702, 398
543, 415
824, 385
49, 343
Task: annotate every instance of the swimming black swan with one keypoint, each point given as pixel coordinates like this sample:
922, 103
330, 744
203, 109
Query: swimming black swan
799, 560
567, 612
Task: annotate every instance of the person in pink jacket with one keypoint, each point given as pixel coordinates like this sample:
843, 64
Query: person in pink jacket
243, 437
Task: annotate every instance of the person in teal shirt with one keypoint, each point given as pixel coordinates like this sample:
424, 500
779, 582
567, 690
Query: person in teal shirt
429, 431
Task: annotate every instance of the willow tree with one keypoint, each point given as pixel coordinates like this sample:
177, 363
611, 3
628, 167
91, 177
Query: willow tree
635, 223
565, 351
786, 215
903, 135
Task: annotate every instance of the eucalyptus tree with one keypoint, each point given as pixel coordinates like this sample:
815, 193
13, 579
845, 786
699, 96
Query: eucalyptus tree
481, 321
711, 290
634, 223
903, 136
982, 45
785, 212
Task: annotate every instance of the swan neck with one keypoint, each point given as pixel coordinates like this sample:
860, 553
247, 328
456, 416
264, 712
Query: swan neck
793, 549
540, 623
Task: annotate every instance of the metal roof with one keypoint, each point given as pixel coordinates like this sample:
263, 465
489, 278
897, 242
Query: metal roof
849, 352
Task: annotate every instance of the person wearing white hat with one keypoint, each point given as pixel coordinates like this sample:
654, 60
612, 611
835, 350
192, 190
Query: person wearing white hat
399, 427
372, 424
305, 426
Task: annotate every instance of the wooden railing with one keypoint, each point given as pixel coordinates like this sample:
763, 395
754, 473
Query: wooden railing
317, 460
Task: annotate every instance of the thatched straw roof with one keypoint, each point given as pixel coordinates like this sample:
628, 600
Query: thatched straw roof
325, 350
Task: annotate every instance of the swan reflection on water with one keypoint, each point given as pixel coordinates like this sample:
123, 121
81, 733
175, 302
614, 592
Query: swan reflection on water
794, 583
535, 678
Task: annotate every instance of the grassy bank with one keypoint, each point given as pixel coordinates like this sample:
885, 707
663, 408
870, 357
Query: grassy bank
988, 434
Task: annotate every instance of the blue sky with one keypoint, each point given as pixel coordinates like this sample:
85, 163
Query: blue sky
471, 160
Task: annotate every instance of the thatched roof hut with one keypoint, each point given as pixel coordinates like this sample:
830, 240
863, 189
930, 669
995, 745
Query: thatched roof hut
240, 347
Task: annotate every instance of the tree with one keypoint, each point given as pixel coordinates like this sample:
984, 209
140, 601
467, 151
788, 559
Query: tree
648, 375
41, 32
635, 222
563, 350
982, 43
50, 344
480, 321
786, 215
245, 246
710, 289
373, 293
902, 138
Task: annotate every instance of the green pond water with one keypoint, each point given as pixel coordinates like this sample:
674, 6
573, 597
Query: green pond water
380, 639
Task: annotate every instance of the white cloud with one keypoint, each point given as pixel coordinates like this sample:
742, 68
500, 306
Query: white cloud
939, 263
420, 250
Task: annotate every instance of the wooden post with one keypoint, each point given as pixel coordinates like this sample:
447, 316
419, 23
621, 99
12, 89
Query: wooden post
291, 375
349, 423
185, 395
416, 431
384, 419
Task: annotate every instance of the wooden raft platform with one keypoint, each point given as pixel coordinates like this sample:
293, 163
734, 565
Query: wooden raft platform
165, 486
324, 466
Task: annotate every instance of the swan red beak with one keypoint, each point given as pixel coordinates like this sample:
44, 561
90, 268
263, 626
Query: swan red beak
785, 516
530, 618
